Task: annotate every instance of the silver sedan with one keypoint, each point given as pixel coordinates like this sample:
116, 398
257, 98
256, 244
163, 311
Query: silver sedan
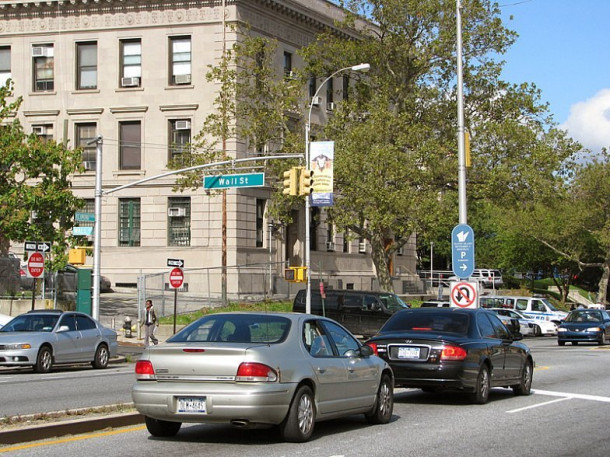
42, 338
250, 369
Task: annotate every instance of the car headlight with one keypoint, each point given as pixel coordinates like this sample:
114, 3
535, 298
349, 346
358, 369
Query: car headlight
17, 346
561, 329
593, 329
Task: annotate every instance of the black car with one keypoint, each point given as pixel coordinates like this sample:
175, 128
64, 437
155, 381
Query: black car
469, 350
585, 326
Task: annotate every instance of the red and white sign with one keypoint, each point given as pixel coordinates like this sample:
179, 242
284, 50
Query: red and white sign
176, 278
35, 265
464, 294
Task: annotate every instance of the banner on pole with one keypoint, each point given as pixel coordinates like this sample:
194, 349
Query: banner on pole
322, 156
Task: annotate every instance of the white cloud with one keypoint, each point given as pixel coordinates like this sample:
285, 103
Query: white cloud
589, 121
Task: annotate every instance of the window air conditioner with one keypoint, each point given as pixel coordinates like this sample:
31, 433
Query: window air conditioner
176, 212
89, 165
362, 247
330, 106
182, 79
316, 101
130, 82
39, 129
183, 125
42, 51
400, 251
330, 246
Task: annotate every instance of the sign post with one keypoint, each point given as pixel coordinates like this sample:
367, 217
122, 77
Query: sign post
35, 270
176, 279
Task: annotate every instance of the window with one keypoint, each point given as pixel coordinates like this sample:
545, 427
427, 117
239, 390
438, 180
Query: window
180, 59
345, 87
131, 63
345, 242
287, 63
83, 134
485, 327
5, 64
179, 221
88, 208
312, 86
342, 339
260, 214
86, 65
44, 131
129, 222
180, 138
130, 145
43, 67
329, 91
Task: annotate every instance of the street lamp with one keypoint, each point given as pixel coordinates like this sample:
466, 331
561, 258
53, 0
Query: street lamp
363, 67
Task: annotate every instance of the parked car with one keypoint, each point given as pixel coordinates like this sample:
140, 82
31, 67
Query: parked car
469, 350
533, 327
361, 312
585, 326
246, 369
537, 308
43, 338
435, 304
487, 277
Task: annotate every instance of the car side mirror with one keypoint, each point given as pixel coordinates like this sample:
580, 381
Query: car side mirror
63, 328
366, 351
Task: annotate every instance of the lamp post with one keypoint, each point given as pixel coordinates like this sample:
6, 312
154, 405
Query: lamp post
364, 67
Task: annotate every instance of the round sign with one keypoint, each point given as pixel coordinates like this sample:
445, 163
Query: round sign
176, 278
463, 294
36, 265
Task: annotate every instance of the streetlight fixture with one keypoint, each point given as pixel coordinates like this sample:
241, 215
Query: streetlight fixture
363, 67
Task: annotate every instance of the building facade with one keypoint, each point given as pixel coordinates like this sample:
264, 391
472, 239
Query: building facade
133, 72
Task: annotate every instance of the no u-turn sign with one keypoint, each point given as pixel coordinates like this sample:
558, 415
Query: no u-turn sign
464, 294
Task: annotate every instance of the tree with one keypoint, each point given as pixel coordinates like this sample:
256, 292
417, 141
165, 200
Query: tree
396, 135
36, 201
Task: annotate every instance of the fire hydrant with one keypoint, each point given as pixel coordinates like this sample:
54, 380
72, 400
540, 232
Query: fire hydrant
127, 327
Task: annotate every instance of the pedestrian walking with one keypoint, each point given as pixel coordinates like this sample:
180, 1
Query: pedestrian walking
150, 324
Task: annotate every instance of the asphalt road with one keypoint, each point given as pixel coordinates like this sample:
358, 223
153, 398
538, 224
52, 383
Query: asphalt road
566, 416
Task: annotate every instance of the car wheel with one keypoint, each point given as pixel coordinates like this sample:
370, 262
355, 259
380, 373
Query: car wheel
483, 386
101, 357
299, 423
525, 386
384, 403
537, 330
44, 360
157, 427
561, 343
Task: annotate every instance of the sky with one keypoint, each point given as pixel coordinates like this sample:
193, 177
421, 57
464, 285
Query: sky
564, 49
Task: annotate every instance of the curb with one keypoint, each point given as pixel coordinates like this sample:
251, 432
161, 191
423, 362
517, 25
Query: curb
72, 427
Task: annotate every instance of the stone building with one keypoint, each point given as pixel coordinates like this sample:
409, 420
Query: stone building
133, 71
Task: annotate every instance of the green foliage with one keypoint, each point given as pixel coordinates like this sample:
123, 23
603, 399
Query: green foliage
35, 178
271, 307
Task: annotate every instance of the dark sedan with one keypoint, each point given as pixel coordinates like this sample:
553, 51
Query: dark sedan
469, 350
585, 326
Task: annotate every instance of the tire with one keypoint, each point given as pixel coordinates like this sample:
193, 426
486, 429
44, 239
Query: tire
561, 343
481, 394
101, 357
384, 402
299, 423
164, 429
44, 360
527, 376
537, 330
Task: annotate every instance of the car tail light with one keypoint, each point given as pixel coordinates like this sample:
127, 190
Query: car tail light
145, 370
255, 372
373, 346
453, 353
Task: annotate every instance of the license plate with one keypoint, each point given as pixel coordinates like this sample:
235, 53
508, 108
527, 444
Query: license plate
192, 405
408, 353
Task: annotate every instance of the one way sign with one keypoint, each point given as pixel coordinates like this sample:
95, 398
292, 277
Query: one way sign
40, 246
175, 263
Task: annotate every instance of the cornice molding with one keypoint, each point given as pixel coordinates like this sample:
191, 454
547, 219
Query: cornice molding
42, 112
189, 107
128, 109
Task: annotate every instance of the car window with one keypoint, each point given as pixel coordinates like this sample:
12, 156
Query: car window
485, 327
370, 303
84, 323
537, 305
438, 322
352, 301
521, 304
69, 321
499, 328
341, 338
392, 302
315, 340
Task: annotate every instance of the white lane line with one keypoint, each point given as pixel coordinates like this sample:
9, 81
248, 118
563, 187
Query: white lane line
568, 395
537, 405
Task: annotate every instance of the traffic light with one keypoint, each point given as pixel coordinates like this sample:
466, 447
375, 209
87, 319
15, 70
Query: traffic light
305, 182
295, 274
290, 181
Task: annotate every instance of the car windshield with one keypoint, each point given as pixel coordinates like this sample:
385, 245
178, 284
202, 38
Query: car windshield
236, 328
31, 323
415, 321
549, 304
393, 302
584, 316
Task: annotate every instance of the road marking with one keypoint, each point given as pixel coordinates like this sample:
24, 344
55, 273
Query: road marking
564, 396
71, 439
537, 405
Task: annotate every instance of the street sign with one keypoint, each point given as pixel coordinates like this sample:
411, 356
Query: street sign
462, 250
230, 181
175, 263
42, 246
82, 231
464, 294
35, 265
176, 278
84, 217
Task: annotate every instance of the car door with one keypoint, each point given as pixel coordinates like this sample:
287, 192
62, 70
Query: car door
329, 369
67, 344
495, 349
90, 336
513, 355
362, 374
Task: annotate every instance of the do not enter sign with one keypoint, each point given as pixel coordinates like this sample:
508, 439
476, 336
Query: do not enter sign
35, 265
176, 278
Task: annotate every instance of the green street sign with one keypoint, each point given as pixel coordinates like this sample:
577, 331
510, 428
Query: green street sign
231, 181
82, 231
84, 217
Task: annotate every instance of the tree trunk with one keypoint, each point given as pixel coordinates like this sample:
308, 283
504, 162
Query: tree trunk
603, 282
378, 255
